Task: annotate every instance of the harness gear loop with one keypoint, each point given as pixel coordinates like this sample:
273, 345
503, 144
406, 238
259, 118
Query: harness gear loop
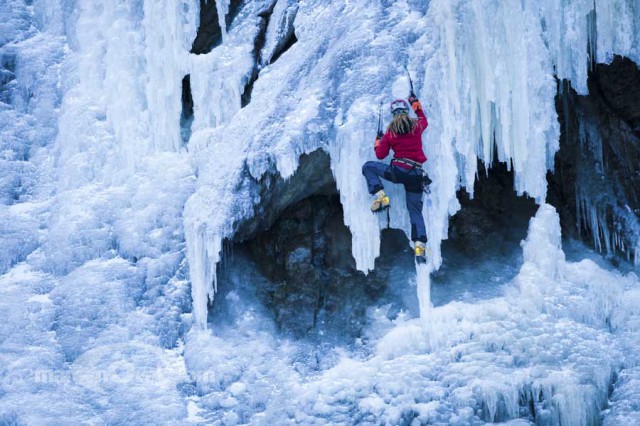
411, 163
425, 180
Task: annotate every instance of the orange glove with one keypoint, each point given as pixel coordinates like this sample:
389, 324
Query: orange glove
377, 142
415, 103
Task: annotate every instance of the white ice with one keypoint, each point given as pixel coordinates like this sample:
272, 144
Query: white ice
553, 341
484, 70
111, 230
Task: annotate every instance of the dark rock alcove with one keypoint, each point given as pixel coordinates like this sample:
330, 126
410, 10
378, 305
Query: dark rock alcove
186, 116
302, 273
596, 182
310, 286
315, 287
494, 216
483, 249
209, 33
313, 176
299, 243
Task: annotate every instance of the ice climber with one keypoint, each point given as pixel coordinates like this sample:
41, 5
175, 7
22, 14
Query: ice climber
404, 137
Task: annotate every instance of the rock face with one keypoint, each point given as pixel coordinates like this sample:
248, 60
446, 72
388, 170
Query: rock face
209, 32
313, 176
492, 215
596, 184
300, 243
618, 85
306, 255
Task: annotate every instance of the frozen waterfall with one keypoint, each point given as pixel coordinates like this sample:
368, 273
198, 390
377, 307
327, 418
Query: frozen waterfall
476, 62
115, 211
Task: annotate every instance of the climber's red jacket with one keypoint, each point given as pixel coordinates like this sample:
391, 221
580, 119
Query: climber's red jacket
405, 146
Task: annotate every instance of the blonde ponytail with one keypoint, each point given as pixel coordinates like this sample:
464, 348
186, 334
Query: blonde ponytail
401, 124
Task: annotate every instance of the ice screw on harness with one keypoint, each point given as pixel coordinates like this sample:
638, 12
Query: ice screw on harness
426, 181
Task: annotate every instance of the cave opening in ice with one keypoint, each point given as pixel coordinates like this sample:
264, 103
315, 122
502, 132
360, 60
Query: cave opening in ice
303, 272
186, 116
483, 246
594, 182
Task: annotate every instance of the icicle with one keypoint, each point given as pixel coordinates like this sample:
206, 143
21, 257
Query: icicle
222, 6
169, 28
203, 251
617, 29
423, 278
349, 154
594, 224
592, 37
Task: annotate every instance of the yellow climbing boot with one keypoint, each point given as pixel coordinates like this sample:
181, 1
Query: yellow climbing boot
381, 201
421, 252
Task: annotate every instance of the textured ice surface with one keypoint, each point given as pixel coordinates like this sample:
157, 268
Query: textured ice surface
94, 180
485, 71
94, 289
552, 343
76, 350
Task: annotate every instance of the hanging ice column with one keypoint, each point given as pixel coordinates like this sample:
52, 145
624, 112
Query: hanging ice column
218, 79
492, 80
167, 56
347, 157
124, 101
489, 90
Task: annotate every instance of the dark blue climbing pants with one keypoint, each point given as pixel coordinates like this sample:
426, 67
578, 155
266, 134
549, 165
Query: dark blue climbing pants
412, 181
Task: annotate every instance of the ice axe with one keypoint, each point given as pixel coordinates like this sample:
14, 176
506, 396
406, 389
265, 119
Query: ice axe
379, 133
426, 181
412, 94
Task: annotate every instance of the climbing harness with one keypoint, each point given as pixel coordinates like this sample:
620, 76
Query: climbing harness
425, 180
410, 163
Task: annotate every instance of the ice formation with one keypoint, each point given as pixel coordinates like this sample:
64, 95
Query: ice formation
549, 347
107, 221
475, 63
